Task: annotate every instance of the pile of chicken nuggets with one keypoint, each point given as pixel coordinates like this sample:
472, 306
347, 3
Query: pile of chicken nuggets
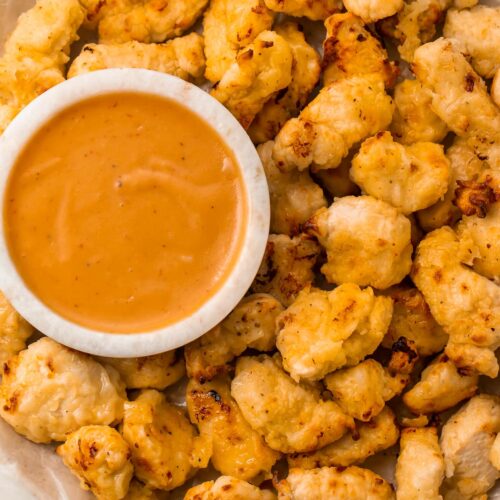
375, 315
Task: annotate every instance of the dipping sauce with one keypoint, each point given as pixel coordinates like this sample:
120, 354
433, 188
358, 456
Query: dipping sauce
125, 213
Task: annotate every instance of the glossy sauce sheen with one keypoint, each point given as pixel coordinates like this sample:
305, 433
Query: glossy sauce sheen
125, 213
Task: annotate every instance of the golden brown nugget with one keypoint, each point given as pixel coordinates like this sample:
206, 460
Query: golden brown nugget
316, 10
182, 57
373, 10
261, 70
237, 450
228, 27
228, 488
350, 49
100, 458
291, 417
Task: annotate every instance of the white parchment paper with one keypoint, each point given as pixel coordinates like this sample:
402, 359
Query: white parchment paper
29, 471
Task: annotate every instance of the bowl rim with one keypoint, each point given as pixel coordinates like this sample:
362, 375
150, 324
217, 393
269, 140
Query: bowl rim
169, 337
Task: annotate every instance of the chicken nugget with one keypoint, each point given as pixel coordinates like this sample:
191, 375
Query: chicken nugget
373, 10
228, 488
316, 10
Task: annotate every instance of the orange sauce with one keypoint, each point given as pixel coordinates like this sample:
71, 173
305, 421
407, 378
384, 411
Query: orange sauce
125, 213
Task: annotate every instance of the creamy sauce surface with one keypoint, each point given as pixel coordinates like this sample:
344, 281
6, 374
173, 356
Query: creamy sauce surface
125, 213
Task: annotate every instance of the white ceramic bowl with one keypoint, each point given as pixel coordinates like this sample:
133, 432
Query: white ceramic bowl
219, 305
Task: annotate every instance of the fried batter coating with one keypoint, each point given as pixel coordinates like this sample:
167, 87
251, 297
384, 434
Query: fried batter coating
252, 324
480, 203
150, 372
344, 113
324, 331
287, 266
467, 164
291, 417
414, 25
464, 303
441, 386
336, 181
147, 21
412, 319
294, 195
36, 52
261, 70
14, 330
228, 488
306, 69
100, 458
229, 26
182, 57
373, 10
409, 178
237, 450
351, 50
340, 483
420, 465
368, 439
466, 440
368, 242
162, 441
316, 10
461, 99
49, 391
361, 391
414, 120
478, 30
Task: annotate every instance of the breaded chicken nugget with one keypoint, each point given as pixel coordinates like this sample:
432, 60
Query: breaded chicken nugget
306, 69
441, 386
49, 391
420, 465
148, 21
36, 52
261, 70
229, 26
478, 30
362, 390
351, 50
368, 439
461, 99
139, 491
14, 330
287, 266
466, 440
228, 488
237, 450
150, 372
316, 10
479, 201
409, 178
294, 195
412, 319
340, 483
252, 324
467, 164
464, 303
100, 458
414, 25
181, 57
368, 242
373, 10
414, 120
324, 331
344, 113
290, 417
162, 441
